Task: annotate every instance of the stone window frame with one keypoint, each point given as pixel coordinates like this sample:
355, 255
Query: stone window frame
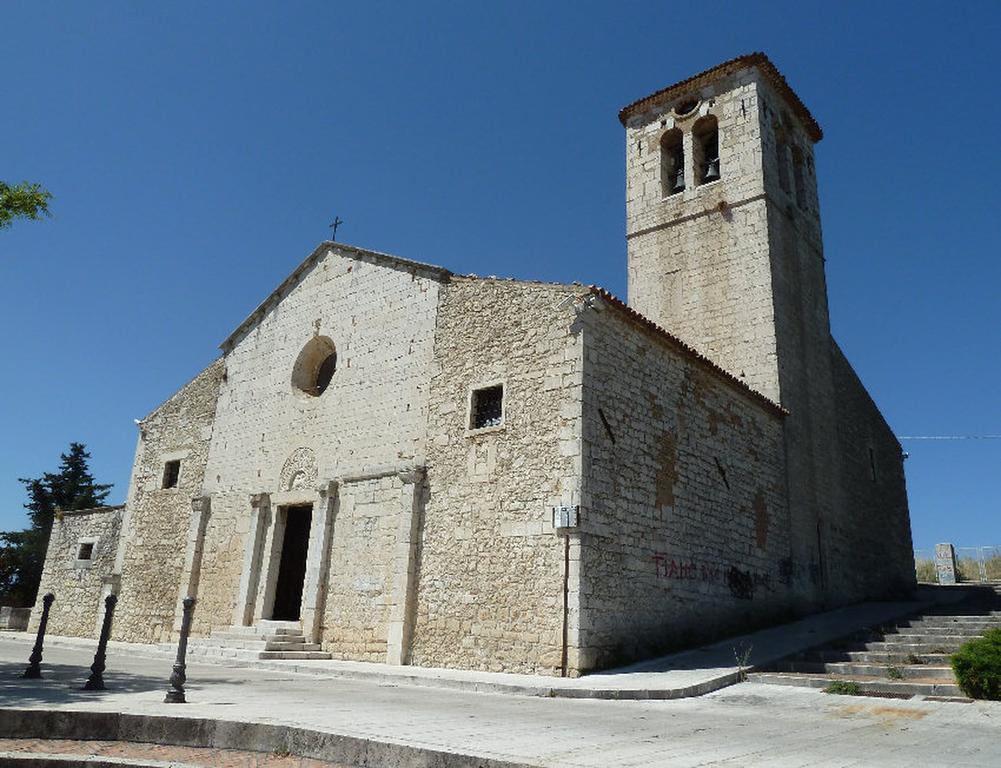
472, 431
86, 562
155, 482
171, 479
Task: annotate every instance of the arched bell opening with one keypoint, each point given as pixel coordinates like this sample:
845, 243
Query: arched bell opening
705, 147
672, 163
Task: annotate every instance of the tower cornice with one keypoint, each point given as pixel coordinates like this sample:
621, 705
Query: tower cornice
757, 60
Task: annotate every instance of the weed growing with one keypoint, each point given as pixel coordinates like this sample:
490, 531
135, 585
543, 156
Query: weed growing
844, 688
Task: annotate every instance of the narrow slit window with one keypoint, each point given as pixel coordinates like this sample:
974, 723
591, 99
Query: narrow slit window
171, 473
487, 407
872, 464
797, 177
782, 157
672, 163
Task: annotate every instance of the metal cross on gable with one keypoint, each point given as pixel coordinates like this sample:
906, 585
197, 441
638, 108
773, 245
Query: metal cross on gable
333, 227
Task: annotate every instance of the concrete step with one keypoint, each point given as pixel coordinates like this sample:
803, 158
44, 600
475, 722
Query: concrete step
889, 657
919, 649
966, 615
226, 637
866, 683
881, 671
829, 655
968, 630
219, 652
298, 645
933, 632
252, 645
914, 637
271, 624
949, 621
258, 631
215, 652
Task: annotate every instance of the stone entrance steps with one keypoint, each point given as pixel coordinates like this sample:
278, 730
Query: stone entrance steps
907, 658
868, 684
264, 640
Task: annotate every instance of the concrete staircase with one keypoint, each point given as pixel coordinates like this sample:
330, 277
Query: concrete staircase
264, 640
906, 658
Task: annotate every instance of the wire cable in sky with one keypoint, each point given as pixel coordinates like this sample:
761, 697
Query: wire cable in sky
949, 437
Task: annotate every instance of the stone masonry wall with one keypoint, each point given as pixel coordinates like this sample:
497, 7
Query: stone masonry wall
802, 330
871, 554
379, 314
491, 571
359, 588
79, 585
699, 260
684, 525
156, 521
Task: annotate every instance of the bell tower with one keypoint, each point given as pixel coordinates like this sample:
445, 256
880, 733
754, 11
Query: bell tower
722, 218
725, 252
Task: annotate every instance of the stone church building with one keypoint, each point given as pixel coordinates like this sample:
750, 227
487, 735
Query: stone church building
410, 466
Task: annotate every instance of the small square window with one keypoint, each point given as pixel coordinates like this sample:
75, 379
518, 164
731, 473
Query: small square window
86, 551
171, 472
487, 407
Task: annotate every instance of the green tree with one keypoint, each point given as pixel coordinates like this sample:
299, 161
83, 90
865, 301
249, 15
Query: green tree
22, 201
22, 553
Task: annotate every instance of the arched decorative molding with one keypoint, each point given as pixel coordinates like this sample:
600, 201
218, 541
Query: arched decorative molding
299, 470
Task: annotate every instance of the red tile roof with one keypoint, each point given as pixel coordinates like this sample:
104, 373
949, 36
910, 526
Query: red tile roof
757, 60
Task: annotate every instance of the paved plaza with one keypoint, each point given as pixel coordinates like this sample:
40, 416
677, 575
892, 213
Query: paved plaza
741, 725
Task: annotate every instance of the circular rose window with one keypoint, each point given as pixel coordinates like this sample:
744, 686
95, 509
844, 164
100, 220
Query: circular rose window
685, 107
315, 366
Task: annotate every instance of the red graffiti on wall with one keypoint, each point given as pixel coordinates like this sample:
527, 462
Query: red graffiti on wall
742, 583
686, 570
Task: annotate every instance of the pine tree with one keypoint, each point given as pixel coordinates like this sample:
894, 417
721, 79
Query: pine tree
22, 553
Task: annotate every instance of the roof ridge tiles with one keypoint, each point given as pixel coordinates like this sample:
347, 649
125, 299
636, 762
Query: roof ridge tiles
756, 59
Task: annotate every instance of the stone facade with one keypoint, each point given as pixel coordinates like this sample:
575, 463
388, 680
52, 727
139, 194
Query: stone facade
79, 564
384, 448
685, 524
490, 592
157, 518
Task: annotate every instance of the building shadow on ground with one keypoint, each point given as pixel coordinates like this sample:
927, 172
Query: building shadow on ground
63, 684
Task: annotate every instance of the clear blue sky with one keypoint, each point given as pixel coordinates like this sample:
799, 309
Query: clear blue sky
197, 152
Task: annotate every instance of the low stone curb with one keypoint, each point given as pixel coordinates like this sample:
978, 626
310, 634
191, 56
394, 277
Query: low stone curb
42, 760
230, 734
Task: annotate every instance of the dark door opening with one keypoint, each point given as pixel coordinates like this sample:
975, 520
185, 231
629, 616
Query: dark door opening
292, 569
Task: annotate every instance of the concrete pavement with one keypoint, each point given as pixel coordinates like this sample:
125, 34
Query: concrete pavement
742, 725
